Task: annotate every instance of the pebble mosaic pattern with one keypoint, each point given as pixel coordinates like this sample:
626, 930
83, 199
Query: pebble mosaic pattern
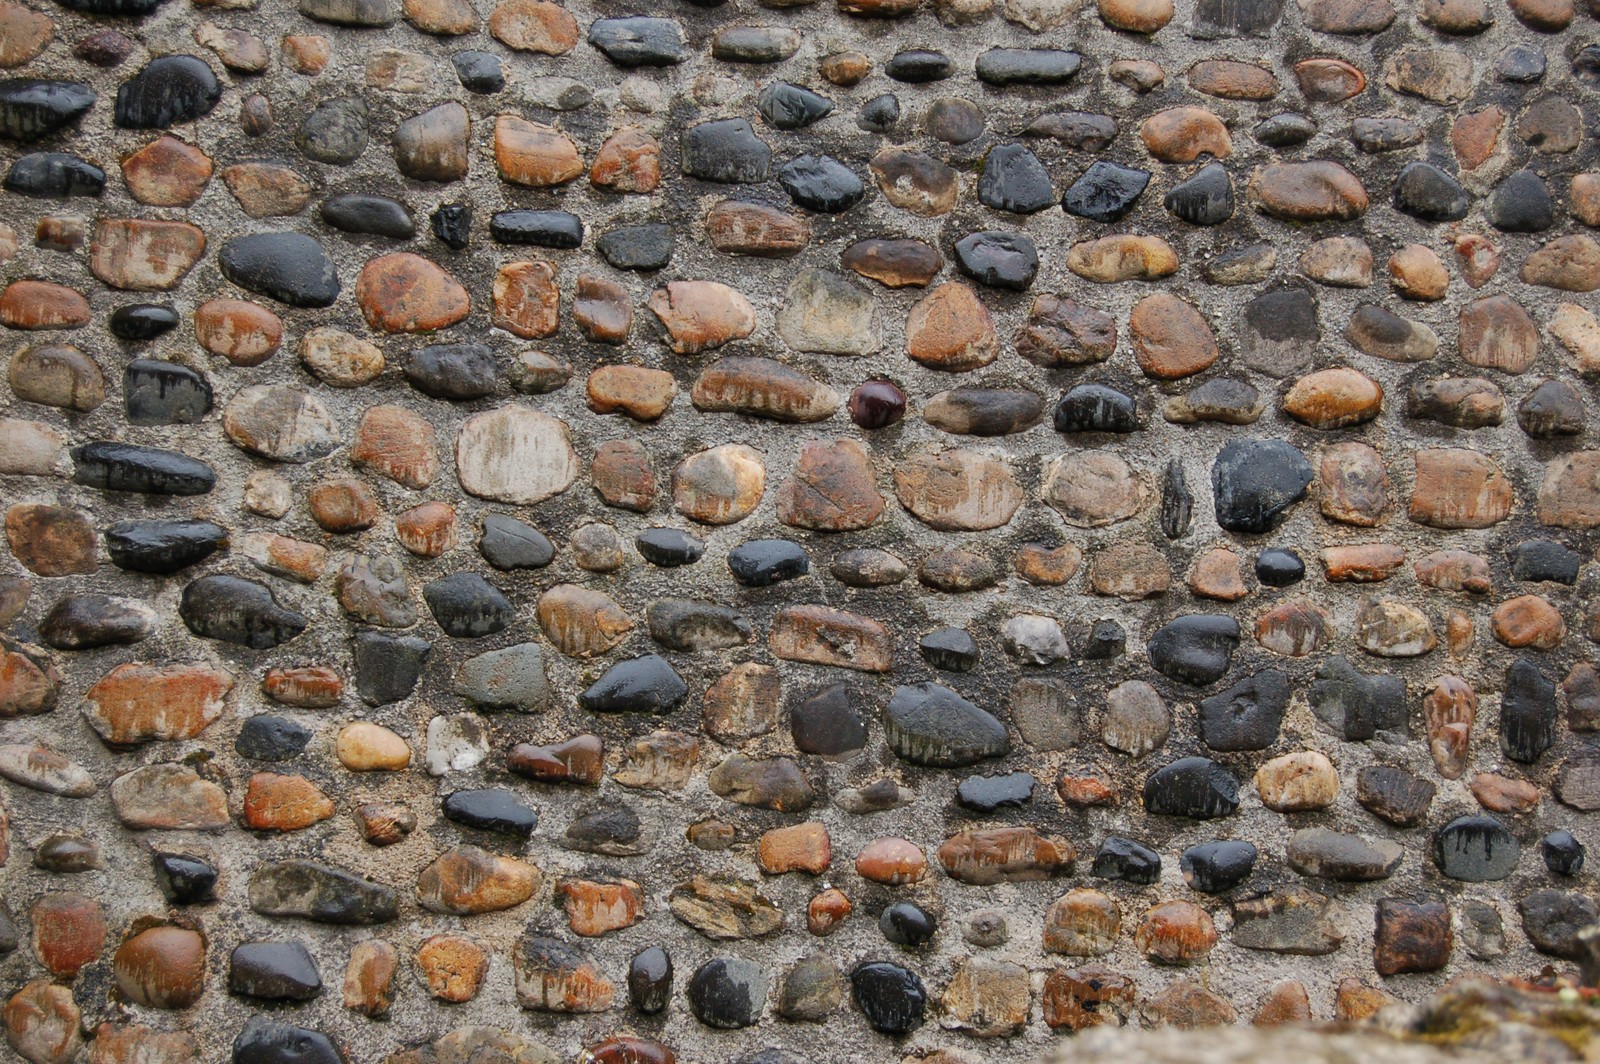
819, 531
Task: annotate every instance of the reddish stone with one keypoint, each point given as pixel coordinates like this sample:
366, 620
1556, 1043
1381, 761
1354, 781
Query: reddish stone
596, 908
166, 172
405, 293
629, 161
623, 476
69, 931
527, 302
308, 686
343, 505
284, 803
162, 967
42, 305
243, 333
534, 155
428, 530
397, 443
452, 966
51, 540
581, 759
826, 911
891, 861
140, 255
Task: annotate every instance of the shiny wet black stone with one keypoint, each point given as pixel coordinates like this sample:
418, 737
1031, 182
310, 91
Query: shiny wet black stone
164, 393
1428, 193
479, 72
987, 794
998, 259
950, 649
918, 66
265, 1041
650, 980
822, 184
368, 215
1528, 712
235, 610
1521, 64
387, 667
636, 247
726, 151
273, 971
1248, 715
265, 737
879, 114
336, 131
1543, 559
788, 106
1562, 852
125, 8
540, 229
1394, 795
146, 470
452, 371
142, 321
929, 724
1014, 180
162, 547
1284, 130
1217, 867
728, 992
289, 267
31, 108
1476, 849
1204, 199
891, 997
169, 90
638, 41
467, 606
184, 880
1027, 66
669, 547
1219, 19
639, 685
86, 620
509, 544
905, 923
1107, 641
1195, 649
1194, 787
1126, 860
1096, 408
452, 224
877, 404
1520, 204
491, 809
1279, 567
54, 174
1177, 501
1354, 704
828, 723
1105, 192
1254, 482
764, 562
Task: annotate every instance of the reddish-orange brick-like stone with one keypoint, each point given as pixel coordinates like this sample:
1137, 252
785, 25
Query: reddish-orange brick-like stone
826, 911
42, 305
69, 931
405, 293
284, 803
308, 686
798, 848
243, 333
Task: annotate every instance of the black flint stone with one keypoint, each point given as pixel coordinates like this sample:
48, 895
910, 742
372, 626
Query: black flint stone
1027, 66
1218, 19
1279, 567
1476, 849
1521, 64
1521, 204
879, 114
1552, 410
54, 174
273, 971
638, 41
1177, 502
1354, 704
509, 544
467, 606
1194, 787
387, 667
1428, 193
1562, 852
1528, 712
235, 610
726, 151
491, 809
637, 247
669, 547
1096, 408
452, 224
184, 880
479, 72
1248, 715
1255, 481
1126, 860
1106, 191
1195, 649
164, 393
905, 923
1014, 180
691, 625
822, 184
828, 723
265, 1041
1204, 199
169, 90
162, 547
650, 980
142, 321
950, 649
918, 66
788, 106
86, 620
336, 131
542, 229
1543, 559
368, 215
998, 259
929, 724
452, 371
146, 470
1586, 64
764, 562
891, 997
639, 685
1394, 795
1284, 131
265, 737
986, 794
31, 109
1107, 640
289, 267
1217, 867
727, 992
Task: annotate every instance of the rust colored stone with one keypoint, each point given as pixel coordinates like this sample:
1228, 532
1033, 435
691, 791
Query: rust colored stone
405, 293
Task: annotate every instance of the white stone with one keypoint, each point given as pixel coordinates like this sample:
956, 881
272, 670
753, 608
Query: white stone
456, 744
32, 449
515, 454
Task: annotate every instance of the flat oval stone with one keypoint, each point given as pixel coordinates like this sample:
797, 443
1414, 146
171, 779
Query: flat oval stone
142, 321
1311, 191
86, 620
1096, 408
363, 213
726, 151
273, 971
639, 41
544, 229
928, 724
289, 267
169, 90
1428, 193
1082, 130
235, 610
1217, 867
638, 685
950, 649
321, 893
148, 470
1195, 649
264, 1041
754, 44
998, 259
972, 411
692, 625
669, 547
918, 66
905, 923
879, 114
281, 423
184, 880
54, 175
728, 992
1027, 66
491, 809
264, 737
452, 371
1520, 203
32, 109
788, 106
763, 387
891, 997
764, 562
1194, 787
1342, 856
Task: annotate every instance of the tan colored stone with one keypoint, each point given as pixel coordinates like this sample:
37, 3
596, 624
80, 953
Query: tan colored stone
1415, 272
1122, 257
950, 329
957, 490
534, 26
1456, 488
581, 622
700, 316
1298, 782
1569, 496
719, 486
1184, 134
1171, 339
167, 172
1317, 190
641, 393
141, 255
1334, 398
826, 636
1216, 575
534, 155
1095, 488
527, 301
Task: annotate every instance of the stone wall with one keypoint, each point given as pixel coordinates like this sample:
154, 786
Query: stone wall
849, 530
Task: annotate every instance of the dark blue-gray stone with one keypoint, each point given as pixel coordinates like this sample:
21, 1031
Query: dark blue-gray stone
1528, 712
264, 1041
1217, 19
184, 879
146, 470
54, 174
1027, 66
1014, 180
1217, 867
163, 547
387, 667
950, 649
1552, 410
142, 321
289, 267
891, 997
929, 724
828, 723
265, 737
821, 183
369, 215
336, 131
1428, 193
639, 41
986, 794
1126, 860
1096, 408
491, 809
1554, 921
1354, 704
467, 606
1522, 64
636, 247
452, 224
1195, 649
509, 544
1193, 787
540, 229
726, 151
1204, 199
1374, 135
879, 114
650, 980
1544, 559
788, 106
1284, 130
905, 923
1254, 482
918, 66
1476, 849
1562, 852
321, 893
32, 108
232, 609
764, 562
86, 620
273, 971
639, 685
1521, 204
692, 625
479, 72
998, 259
452, 371
728, 992
164, 393
1248, 715
112, 8
1280, 567
1177, 502
169, 90
669, 547
1106, 191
